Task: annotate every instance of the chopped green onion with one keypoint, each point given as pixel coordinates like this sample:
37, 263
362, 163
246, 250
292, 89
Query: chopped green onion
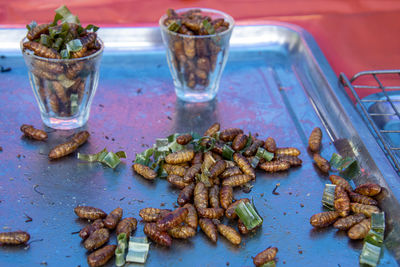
121, 154
119, 257
248, 143
144, 157
122, 241
248, 215
58, 43
92, 28
138, 250
63, 14
254, 162
64, 54
74, 103
262, 153
208, 26
378, 222
269, 264
227, 152
46, 40
110, 159
374, 238
162, 144
174, 26
195, 135
74, 45
370, 254
31, 25
329, 196
348, 167
161, 172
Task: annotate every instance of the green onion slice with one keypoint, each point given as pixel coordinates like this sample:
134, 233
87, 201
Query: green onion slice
227, 152
92, 28
110, 159
138, 250
269, 264
370, 254
119, 256
74, 45
46, 40
374, 238
329, 196
175, 26
122, 241
31, 25
74, 103
262, 153
248, 215
254, 162
64, 54
65, 15
348, 167
208, 26
378, 222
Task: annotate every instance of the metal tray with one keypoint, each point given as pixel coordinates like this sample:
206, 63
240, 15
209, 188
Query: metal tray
276, 83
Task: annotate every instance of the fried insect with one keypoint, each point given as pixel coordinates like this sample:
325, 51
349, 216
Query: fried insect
213, 196
244, 165
252, 149
144, 171
324, 219
113, 218
322, 163
232, 171
229, 134
174, 169
60, 92
237, 180
191, 173
97, 239
360, 230
73, 70
33, 133
275, 166
270, 145
242, 228
127, 226
339, 181
216, 156
211, 213
191, 218
369, 190
357, 198
230, 212
218, 168
179, 157
86, 41
172, 219
184, 139
35, 32
347, 222
176, 181
160, 237
86, 231
53, 102
341, 201
151, 214
198, 158
265, 256
229, 233
292, 160
367, 210
90, 213
81, 137
41, 50
63, 150
209, 229
182, 232
14, 238
212, 130
239, 142
314, 141
226, 196
200, 196
289, 151
186, 194
102, 256
218, 148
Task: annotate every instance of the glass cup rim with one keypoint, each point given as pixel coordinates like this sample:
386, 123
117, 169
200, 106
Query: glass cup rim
60, 60
209, 10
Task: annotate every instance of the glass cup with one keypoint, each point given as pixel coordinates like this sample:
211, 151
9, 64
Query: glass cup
196, 62
64, 88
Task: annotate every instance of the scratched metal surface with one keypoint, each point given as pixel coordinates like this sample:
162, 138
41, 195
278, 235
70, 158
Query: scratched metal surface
264, 89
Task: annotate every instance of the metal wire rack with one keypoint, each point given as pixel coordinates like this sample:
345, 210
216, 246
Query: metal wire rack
380, 109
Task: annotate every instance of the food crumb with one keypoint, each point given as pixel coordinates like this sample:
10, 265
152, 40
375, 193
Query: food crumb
302, 205
168, 117
262, 194
1, 148
300, 252
162, 204
284, 213
227, 263
290, 193
284, 262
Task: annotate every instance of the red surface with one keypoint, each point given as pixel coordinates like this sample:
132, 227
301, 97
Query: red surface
354, 35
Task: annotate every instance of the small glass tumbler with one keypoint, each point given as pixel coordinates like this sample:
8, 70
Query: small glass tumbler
64, 88
196, 62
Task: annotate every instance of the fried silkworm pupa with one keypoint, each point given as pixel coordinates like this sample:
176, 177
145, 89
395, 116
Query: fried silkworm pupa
239, 142
184, 139
63, 150
226, 196
270, 145
182, 232
86, 231
218, 168
198, 158
229, 233
347, 222
244, 165
191, 219
230, 212
81, 137
90, 213
102, 256
212, 130
232, 171
151, 214
213, 196
322, 163
211, 213
127, 226
32, 132
252, 149
218, 148
369, 190
360, 230
186, 194
324, 219
35, 32
145, 171
41, 50
216, 156
367, 210
265, 256
341, 201
209, 229
72, 70
339, 181
60, 92
191, 173
242, 228
357, 198
200, 196
113, 218
237, 180
275, 166
230, 164
172, 219
314, 141
289, 151
160, 237
179, 157
229, 134
86, 40
14, 238
174, 169
292, 160
176, 181
97, 239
